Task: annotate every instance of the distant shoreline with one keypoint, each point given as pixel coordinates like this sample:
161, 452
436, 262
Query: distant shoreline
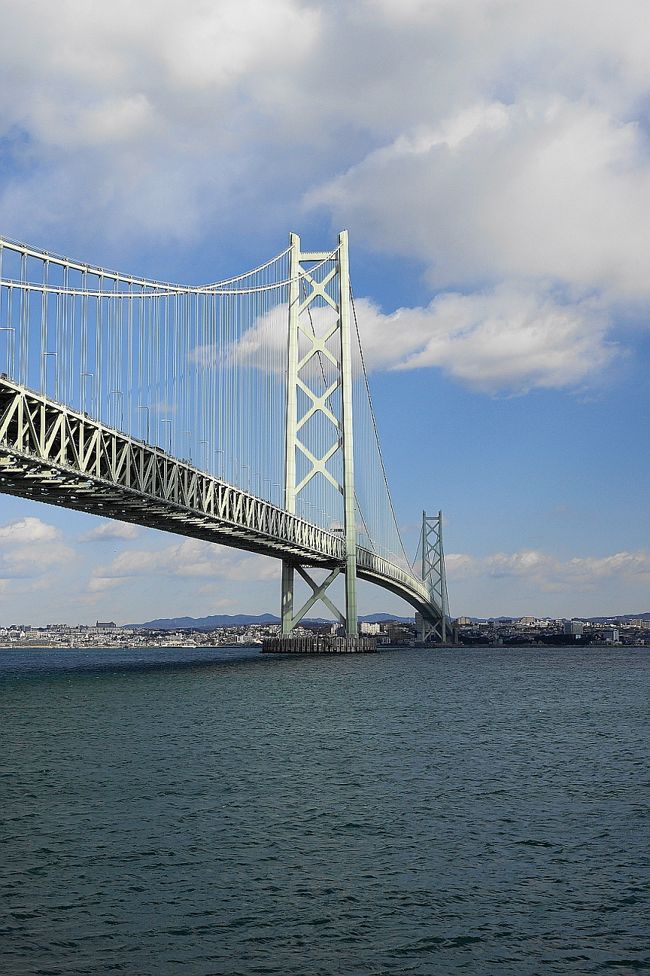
381, 647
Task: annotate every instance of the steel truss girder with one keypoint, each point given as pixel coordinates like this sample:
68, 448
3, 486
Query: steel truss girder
27, 470
53, 454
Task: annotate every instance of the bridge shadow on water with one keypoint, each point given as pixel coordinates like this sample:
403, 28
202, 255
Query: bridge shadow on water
53, 662
49, 663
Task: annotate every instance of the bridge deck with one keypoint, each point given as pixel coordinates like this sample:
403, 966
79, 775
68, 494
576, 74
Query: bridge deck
55, 455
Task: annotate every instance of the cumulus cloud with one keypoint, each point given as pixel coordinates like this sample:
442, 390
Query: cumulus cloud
542, 188
507, 338
100, 584
549, 573
111, 531
31, 547
190, 558
502, 146
139, 112
26, 530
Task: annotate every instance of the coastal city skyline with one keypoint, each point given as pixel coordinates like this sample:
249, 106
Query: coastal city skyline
245, 630
515, 395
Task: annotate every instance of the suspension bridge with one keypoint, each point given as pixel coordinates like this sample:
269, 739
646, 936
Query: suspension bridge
237, 412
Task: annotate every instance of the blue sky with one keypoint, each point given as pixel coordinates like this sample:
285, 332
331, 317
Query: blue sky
491, 162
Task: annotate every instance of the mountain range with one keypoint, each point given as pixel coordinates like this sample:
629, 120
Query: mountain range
244, 619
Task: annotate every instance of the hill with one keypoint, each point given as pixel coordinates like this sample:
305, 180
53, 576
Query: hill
245, 619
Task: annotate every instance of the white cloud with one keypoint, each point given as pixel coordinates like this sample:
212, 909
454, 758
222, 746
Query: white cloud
503, 146
507, 338
549, 573
31, 547
139, 113
99, 584
111, 531
542, 188
190, 558
27, 530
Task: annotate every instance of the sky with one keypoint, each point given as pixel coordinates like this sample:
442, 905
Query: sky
491, 161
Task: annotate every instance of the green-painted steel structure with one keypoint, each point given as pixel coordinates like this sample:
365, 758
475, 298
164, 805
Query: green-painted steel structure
55, 452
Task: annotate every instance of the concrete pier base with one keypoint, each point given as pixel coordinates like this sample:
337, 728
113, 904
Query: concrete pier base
319, 644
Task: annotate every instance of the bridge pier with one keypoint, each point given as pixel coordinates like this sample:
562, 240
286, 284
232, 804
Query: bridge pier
319, 644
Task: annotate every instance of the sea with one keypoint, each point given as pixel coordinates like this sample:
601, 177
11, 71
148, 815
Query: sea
197, 812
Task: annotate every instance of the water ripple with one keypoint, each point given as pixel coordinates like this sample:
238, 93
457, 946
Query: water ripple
480, 812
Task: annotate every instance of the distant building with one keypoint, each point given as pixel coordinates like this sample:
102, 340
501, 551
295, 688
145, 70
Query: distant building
611, 635
365, 627
398, 632
105, 625
573, 627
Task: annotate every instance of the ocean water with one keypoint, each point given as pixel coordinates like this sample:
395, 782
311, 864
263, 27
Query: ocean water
195, 812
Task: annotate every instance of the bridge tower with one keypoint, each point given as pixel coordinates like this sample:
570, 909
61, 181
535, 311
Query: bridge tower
320, 335
433, 574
